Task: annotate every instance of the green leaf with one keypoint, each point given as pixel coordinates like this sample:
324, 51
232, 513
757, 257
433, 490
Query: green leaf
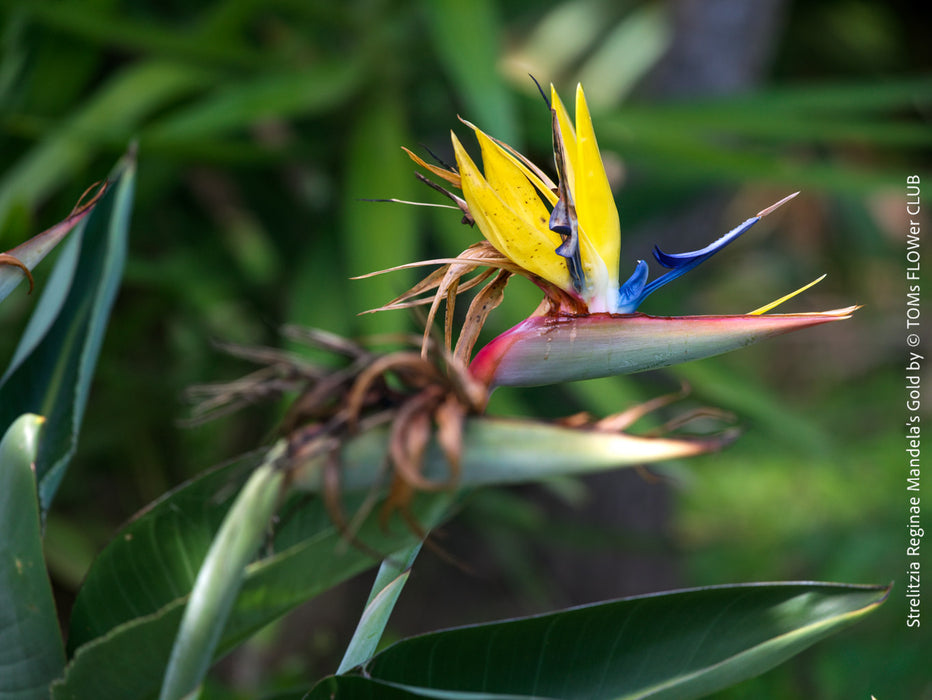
684, 644
357, 688
389, 582
127, 614
31, 651
53, 365
504, 451
220, 578
153, 560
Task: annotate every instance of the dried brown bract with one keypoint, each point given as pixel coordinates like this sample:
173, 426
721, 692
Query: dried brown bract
420, 398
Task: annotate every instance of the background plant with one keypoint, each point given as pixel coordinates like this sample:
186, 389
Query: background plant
261, 126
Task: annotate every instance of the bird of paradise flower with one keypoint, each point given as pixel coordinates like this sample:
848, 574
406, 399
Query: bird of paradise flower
565, 237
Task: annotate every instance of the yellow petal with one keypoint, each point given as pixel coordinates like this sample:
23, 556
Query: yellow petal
774, 304
595, 206
541, 180
511, 184
512, 235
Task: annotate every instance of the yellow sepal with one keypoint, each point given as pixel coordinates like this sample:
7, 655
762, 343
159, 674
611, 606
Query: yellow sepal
529, 244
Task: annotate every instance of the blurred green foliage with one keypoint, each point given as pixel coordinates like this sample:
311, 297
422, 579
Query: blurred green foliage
261, 127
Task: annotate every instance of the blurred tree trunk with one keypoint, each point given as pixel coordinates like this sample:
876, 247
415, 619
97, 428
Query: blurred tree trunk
719, 47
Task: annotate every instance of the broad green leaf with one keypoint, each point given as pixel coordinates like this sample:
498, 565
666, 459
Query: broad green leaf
130, 659
220, 578
684, 644
389, 582
129, 662
358, 688
127, 614
53, 366
153, 561
31, 651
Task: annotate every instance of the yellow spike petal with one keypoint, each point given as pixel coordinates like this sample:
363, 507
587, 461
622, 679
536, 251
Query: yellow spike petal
471, 179
774, 304
541, 180
511, 184
541, 186
511, 234
595, 205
